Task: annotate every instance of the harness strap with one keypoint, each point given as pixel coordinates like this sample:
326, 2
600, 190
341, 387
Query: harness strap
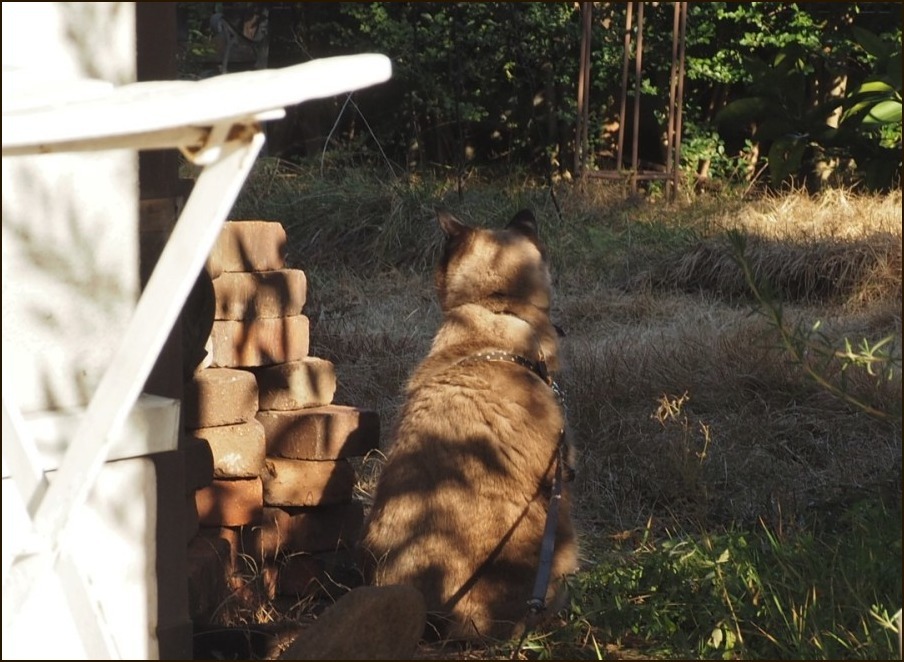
537, 602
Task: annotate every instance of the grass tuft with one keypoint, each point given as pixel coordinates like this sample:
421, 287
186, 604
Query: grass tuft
732, 506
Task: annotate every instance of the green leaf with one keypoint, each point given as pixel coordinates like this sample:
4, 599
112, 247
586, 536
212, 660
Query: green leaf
857, 109
884, 112
870, 42
784, 158
875, 86
742, 111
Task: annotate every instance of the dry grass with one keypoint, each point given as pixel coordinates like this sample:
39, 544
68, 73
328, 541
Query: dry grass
684, 403
655, 307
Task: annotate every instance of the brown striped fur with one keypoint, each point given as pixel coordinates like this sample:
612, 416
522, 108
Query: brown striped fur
460, 506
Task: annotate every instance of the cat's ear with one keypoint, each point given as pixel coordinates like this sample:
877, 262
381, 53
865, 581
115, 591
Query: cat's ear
451, 226
525, 223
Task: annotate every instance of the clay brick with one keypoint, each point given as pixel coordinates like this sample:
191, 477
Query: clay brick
310, 382
306, 483
219, 396
269, 579
240, 571
321, 433
230, 543
238, 450
239, 561
248, 246
232, 537
242, 295
230, 502
198, 464
253, 343
289, 530
207, 586
213, 269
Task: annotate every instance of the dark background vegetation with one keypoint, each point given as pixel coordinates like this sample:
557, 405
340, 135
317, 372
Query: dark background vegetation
774, 83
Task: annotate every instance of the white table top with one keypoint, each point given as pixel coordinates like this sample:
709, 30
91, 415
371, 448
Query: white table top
46, 118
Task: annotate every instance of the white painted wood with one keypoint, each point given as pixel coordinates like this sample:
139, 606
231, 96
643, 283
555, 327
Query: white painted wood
152, 426
114, 558
165, 294
20, 449
174, 108
215, 123
90, 620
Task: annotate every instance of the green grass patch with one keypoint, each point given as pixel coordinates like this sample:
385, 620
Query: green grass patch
757, 594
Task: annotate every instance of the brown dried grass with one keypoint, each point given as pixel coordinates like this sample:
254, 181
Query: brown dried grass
652, 319
685, 406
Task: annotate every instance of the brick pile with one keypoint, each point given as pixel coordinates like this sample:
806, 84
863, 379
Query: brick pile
278, 512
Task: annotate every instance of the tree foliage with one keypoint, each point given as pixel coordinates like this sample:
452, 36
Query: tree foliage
786, 88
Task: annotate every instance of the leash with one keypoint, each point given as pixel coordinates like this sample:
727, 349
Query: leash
537, 602
563, 473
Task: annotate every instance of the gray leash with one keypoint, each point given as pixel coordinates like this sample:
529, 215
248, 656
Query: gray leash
537, 602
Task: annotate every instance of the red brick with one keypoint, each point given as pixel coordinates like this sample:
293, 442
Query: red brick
310, 382
248, 246
269, 579
241, 573
227, 542
198, 464
307, 483
254, 343
255, 295
321, 433
240, 561
289, 530
219, 396
238, 450
230, 502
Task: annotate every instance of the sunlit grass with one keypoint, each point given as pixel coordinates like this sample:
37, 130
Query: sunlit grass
731, 506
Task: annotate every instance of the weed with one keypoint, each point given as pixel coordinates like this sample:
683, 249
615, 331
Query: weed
750, 594
731, 506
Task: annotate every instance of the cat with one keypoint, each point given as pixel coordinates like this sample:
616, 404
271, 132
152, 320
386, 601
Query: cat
461, 503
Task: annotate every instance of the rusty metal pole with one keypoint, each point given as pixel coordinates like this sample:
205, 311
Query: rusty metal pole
679, 101
581, 130
588, 35
624, 89
638, 69
671, 167
634, 26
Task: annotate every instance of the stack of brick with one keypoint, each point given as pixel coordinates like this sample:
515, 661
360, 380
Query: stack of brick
280, 506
